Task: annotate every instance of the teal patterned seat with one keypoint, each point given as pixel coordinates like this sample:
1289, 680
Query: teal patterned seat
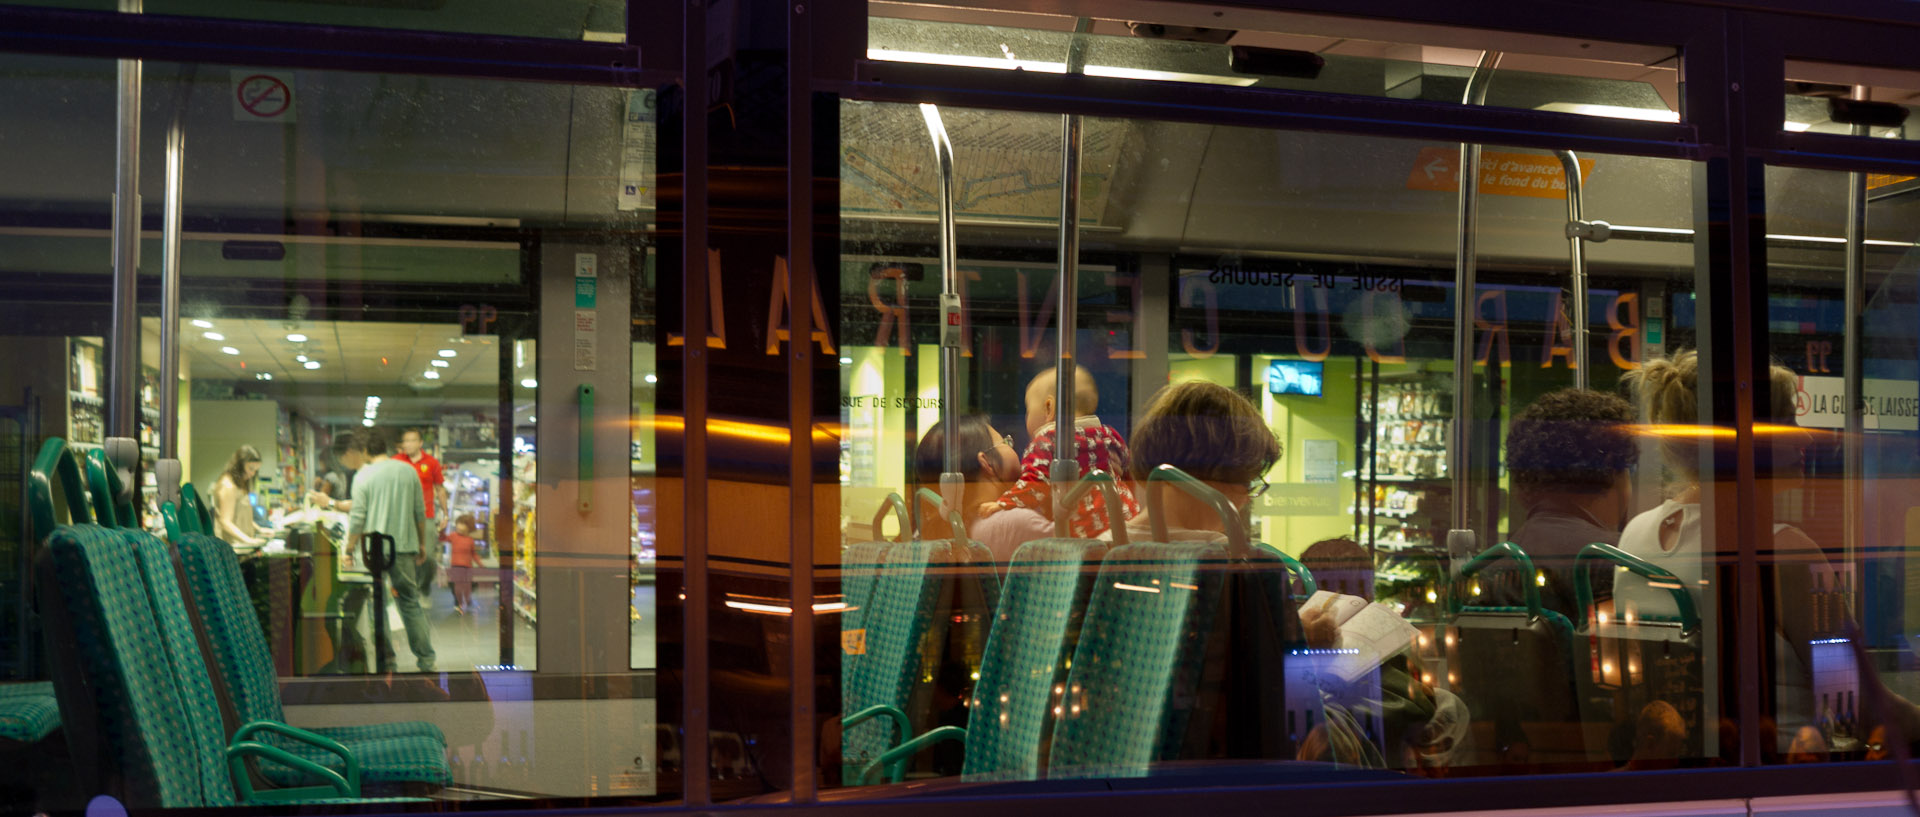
1150, 608
29, 713
397, 753
1034, 630
155, 738
890, 628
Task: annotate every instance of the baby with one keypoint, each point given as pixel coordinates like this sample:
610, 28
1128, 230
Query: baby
1095, 445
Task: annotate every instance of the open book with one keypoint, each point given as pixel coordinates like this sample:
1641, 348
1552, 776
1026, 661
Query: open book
1369, 633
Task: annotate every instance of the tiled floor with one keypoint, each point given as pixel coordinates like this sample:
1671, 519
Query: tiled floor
466, 641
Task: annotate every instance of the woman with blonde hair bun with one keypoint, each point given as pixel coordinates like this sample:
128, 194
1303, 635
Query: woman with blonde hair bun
1669, 535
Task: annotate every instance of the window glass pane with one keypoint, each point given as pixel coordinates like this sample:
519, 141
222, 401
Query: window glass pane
1834, 478
1272, 313
366, 287
56, 318
1295, 52
1850, 100
594, 20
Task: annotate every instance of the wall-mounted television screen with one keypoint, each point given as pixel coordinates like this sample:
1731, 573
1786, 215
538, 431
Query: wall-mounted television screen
1302, 377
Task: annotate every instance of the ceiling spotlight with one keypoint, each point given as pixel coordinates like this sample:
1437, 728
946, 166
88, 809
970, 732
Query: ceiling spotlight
263, 376
367, 423
846, 361
312, 364
203, 324
448, 353
432, 375
230, 350
439, 364
652, 378
214, 336
530, 383
532, 419
301, 358
296, 337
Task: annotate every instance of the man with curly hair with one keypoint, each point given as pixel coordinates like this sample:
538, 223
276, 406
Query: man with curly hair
1569, 455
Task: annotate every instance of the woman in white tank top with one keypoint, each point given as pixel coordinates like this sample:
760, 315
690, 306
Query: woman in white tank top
1669, 537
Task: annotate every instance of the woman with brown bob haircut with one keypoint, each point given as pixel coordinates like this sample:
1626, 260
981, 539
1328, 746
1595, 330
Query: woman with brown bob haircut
1212, 433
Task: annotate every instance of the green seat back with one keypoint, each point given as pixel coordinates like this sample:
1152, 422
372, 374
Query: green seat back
233, 630
146, 727
894, 621
1150, 604
208, 732
1034, 629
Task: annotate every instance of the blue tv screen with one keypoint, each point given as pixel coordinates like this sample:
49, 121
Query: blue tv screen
1302, 377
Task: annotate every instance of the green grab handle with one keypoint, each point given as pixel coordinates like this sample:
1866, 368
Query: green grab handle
1602, 552
895, 760
1229, 516
171, 516
953, 516
585, 395
323, 742
103, 481
899, 506
237, 754
1306, 576
55, 462
1509, 550
1116, 517
198, 520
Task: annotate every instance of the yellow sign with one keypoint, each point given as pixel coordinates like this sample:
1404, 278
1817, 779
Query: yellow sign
1536, 175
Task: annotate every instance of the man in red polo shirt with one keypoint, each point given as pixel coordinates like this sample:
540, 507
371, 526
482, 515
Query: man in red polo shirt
433, 481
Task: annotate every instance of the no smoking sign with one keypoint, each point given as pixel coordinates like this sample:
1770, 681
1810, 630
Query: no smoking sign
262, 96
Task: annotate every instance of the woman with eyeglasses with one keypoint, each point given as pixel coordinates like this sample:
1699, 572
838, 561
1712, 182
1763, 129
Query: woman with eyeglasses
989, 464
1212, 433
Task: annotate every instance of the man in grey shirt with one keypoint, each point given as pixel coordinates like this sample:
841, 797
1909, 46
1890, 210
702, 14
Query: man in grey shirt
387, 499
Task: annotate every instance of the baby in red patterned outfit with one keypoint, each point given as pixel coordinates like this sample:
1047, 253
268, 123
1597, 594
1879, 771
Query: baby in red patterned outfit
1095, 445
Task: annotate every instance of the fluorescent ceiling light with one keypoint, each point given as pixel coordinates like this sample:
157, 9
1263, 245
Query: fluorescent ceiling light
312, 364
448, 353
1166, 76
203, 324
230, 350
263, 376
1044, 67
296, 337
846, 361
214, 336
1612, 111
439, 364
652, 378
1797, 127
367, 423
432, 374
301, 358
530, 383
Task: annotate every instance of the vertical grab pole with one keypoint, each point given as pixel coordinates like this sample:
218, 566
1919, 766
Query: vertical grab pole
123, 363
951, 482
1066, 464
1577, 255
1460, 539
167, 470
1852, 363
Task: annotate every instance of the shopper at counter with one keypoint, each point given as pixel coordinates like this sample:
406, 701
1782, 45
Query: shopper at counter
337, 483
387, 499
232, 499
